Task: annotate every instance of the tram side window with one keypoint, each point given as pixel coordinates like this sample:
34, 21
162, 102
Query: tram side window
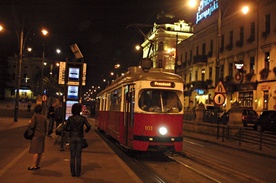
160, 101
116, 99
98, 102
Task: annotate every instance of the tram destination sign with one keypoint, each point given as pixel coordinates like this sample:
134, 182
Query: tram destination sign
162, 84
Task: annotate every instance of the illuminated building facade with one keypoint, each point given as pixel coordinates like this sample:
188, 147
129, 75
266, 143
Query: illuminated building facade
161, 43
243, 56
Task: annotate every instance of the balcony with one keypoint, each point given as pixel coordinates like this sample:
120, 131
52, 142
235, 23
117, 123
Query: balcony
200, 59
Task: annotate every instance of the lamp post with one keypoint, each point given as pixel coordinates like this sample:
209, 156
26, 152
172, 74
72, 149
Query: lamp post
218, 43
18, 75
44, 32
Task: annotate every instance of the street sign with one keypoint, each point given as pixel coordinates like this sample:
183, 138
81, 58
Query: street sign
219, 99
220, 88
44, 98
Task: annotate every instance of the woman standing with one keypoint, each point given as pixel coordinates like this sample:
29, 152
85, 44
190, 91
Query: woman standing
37, 144
75, 125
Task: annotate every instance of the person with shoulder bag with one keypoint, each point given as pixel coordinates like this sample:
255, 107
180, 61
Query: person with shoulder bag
37, 143
75, 125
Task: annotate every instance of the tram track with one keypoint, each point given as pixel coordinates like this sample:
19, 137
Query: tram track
195, 170
142, 171
151, 167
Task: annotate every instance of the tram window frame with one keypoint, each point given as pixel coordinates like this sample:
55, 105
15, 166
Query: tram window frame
160, 105
116, 99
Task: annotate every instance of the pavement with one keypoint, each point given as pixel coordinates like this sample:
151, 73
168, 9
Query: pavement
99, 162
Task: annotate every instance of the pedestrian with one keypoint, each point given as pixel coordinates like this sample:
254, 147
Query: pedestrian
29, 105
37, 144
58, 114
75, 126
51, 118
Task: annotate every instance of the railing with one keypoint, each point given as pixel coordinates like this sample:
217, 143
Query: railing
240, 135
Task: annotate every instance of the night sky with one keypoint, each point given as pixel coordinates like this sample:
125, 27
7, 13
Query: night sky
97, 26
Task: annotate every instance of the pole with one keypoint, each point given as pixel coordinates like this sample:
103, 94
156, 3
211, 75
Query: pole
42, 82
19, 75
176, 56
42, 72
218, 43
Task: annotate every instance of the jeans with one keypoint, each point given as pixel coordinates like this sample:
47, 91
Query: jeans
75, 155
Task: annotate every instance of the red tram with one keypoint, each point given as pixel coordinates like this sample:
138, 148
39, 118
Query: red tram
143, 111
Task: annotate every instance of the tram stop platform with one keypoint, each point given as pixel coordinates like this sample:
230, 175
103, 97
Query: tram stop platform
99, 162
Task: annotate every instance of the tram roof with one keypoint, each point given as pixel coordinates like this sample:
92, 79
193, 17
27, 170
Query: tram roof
136, 73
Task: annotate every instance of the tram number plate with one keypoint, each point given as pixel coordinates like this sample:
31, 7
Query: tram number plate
148, 128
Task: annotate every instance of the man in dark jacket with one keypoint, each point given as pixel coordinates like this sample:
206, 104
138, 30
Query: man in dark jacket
51, 118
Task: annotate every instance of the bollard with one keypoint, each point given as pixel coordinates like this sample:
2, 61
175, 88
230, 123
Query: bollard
261, 140
223, 134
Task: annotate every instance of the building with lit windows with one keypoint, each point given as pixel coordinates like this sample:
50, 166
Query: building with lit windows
161, 43
237, 49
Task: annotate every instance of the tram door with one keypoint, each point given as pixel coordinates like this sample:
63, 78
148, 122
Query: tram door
129, 114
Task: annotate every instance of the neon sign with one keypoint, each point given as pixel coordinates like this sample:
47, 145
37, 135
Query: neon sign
205, 9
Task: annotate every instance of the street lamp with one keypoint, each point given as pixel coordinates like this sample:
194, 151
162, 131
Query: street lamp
44, 32
18, 75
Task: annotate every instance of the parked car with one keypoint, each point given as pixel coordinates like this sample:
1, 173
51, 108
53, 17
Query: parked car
267, 121
249, 118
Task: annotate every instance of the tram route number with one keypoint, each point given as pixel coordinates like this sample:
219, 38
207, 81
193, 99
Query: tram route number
148, 128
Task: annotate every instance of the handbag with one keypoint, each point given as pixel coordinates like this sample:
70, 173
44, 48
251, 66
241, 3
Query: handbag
29, 132
84, 143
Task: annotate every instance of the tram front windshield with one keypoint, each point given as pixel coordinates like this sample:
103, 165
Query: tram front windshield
160, 101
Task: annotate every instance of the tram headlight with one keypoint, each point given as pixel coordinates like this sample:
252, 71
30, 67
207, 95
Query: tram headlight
163, 130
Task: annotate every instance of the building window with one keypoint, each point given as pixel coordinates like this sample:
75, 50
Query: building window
246, 99
197, 51
160, 64
230, 45
211, 47
241, 33
230, 71
186, 56
204, 49
203, 75
196, 75
184, 79
267, 59
191, 56
266, 97
231, 38
221, 71
267, 23
222, 43
252, 32
210, 72
190, 77
252, 65
160, 46
239, 43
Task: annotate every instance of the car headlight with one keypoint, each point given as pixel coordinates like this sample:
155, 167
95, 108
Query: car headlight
163, 130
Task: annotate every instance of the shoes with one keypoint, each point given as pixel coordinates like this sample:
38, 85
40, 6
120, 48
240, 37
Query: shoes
33, 168
73, 175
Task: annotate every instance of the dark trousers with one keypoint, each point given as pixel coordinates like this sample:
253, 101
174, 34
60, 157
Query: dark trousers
75, 155
50, 126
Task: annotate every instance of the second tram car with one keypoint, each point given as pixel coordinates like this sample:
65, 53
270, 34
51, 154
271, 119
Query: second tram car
143, 111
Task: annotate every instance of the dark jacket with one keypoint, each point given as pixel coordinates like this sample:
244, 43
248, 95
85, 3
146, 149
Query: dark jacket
74, 126
51, 112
